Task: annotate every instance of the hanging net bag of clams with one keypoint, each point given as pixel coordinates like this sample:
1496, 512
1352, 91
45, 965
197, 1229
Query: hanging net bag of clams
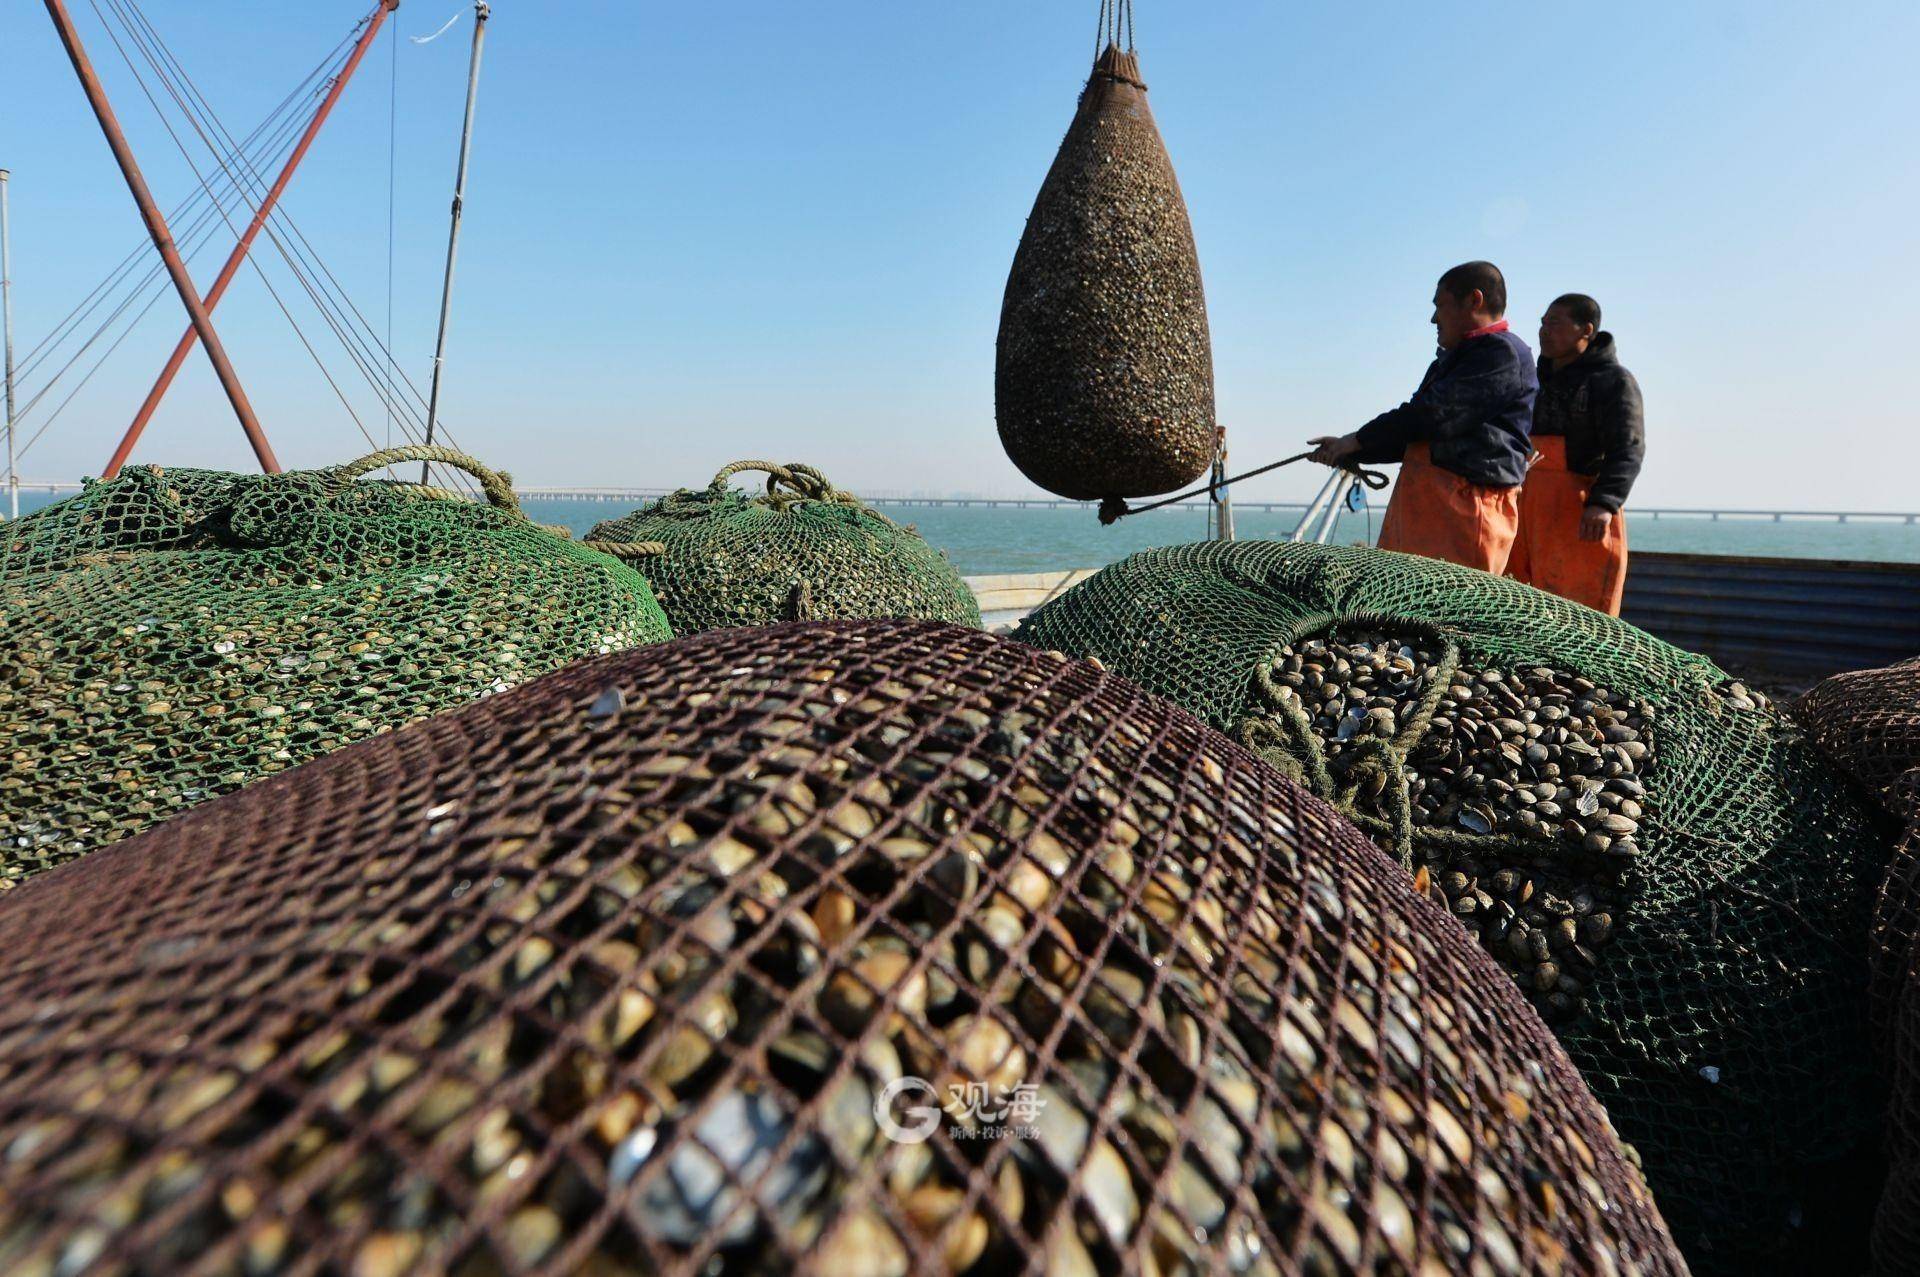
1677, 881
171, 634
1103, 384
850, 948
802, 550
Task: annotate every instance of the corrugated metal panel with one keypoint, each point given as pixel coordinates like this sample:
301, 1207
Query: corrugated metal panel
1806, 618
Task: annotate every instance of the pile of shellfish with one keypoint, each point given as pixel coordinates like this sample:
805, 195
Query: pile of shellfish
642, 991
1541, 775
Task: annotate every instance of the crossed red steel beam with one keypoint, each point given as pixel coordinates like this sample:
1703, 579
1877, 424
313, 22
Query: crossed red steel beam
199, 310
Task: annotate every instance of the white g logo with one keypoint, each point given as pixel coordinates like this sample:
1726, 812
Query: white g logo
921, 1119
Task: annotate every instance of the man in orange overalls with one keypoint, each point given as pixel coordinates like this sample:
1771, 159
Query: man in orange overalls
1590, 429
1461, 441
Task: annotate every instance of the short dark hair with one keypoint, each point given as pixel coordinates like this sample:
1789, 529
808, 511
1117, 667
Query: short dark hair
1484, 276
1580, 308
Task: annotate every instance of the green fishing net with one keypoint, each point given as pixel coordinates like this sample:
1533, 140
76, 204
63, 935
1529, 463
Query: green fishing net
802, 550
1718, 1006
169, 635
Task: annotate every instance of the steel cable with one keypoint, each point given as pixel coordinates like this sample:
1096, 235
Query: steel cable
97, 297
372, 351
154, 282
254, 176
135, 254
362, 344
153, 287
201, 115
161, 75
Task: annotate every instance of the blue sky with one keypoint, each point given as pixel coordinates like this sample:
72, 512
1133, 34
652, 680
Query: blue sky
699, 232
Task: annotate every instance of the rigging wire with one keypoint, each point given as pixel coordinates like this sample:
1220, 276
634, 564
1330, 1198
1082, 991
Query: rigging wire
81, 385
330, 298
153, 287
282, 127
271, 290
166, 83
203, 117
361, 342
154, 283
142, 246
45, 348
393, 133
51, 345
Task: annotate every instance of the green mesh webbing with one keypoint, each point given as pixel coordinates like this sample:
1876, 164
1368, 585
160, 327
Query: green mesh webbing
1725, 1028
802, 550
170, 635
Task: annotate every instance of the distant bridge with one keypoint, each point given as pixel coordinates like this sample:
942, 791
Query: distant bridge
637, 496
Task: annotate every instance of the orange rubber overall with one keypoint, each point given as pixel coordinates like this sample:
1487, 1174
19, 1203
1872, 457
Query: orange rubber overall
1549, 553
1437, 513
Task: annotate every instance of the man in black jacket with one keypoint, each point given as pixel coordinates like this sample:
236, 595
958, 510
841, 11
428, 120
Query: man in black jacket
1590, 431
1461, 441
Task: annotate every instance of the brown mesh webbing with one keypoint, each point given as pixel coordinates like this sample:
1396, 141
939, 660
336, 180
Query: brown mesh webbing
603, 974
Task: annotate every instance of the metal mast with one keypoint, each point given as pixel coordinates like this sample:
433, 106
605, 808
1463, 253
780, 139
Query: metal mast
240, 251
6, 306
480, 15
156, 223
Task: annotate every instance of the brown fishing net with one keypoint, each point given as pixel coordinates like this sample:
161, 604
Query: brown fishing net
855, 948
1896, 1234
1869, 721
1104, 383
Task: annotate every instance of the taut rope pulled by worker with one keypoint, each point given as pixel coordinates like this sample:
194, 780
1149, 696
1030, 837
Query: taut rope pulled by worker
1114, 509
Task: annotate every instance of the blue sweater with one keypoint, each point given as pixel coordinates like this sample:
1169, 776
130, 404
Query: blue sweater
1474, 407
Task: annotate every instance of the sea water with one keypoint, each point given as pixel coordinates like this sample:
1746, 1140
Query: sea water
986, 540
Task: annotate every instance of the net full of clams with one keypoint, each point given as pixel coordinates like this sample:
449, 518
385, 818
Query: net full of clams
802, 550
850, 948
1868, 721
173, 634
1680, 884
1103, 373
1896, 1234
